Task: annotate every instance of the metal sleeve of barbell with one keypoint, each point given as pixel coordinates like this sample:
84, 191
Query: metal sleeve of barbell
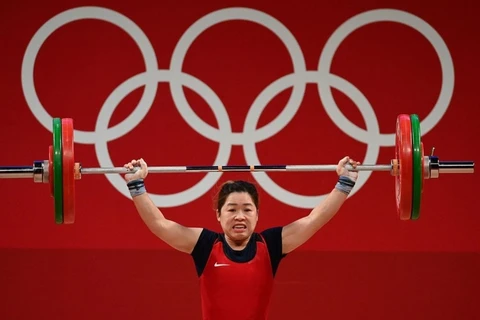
16, 172
238, 168
456, 166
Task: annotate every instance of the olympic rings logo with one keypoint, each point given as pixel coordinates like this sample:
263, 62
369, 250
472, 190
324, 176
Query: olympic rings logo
224, 135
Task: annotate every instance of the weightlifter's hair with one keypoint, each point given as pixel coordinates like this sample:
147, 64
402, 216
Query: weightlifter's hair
230, 186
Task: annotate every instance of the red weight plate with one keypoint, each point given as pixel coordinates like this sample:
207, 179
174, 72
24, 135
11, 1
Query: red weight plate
404, 180
68, 172
423, 164
50, 168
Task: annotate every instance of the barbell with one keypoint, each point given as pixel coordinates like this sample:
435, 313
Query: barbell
409, 167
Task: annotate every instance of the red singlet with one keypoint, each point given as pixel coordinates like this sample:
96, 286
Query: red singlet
237, 285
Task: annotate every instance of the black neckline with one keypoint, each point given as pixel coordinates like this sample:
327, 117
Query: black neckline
244, 255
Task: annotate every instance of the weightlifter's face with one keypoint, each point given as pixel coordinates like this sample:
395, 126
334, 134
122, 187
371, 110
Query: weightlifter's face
238, 216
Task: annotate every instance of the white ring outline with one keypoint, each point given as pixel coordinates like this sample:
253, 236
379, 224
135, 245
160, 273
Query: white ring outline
210, 20
373, 149
135, 82
80, 13
386, 15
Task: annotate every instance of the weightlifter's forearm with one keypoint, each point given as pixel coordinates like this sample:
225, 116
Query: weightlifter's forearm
331, 205
147, 210
171, 232
326, 210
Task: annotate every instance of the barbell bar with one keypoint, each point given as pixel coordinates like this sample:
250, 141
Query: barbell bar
16, 172
38, 172
409, 167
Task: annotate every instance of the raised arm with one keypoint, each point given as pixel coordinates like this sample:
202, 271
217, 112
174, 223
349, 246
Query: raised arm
177, 236
298, 232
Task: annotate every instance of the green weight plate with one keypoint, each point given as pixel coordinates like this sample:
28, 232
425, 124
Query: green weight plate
57, 170
417, 166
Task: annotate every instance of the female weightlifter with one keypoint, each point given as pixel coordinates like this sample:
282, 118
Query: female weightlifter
236, 268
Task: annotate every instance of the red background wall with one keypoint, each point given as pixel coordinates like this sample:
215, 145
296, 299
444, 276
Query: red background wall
365, 263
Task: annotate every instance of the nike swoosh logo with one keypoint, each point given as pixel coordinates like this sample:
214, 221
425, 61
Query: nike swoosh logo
220, 264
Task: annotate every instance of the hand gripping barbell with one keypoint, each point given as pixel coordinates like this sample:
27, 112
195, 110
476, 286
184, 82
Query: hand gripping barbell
409, 167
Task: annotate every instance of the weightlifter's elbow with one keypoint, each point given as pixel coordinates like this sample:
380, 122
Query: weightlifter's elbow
176, 235
158, 226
